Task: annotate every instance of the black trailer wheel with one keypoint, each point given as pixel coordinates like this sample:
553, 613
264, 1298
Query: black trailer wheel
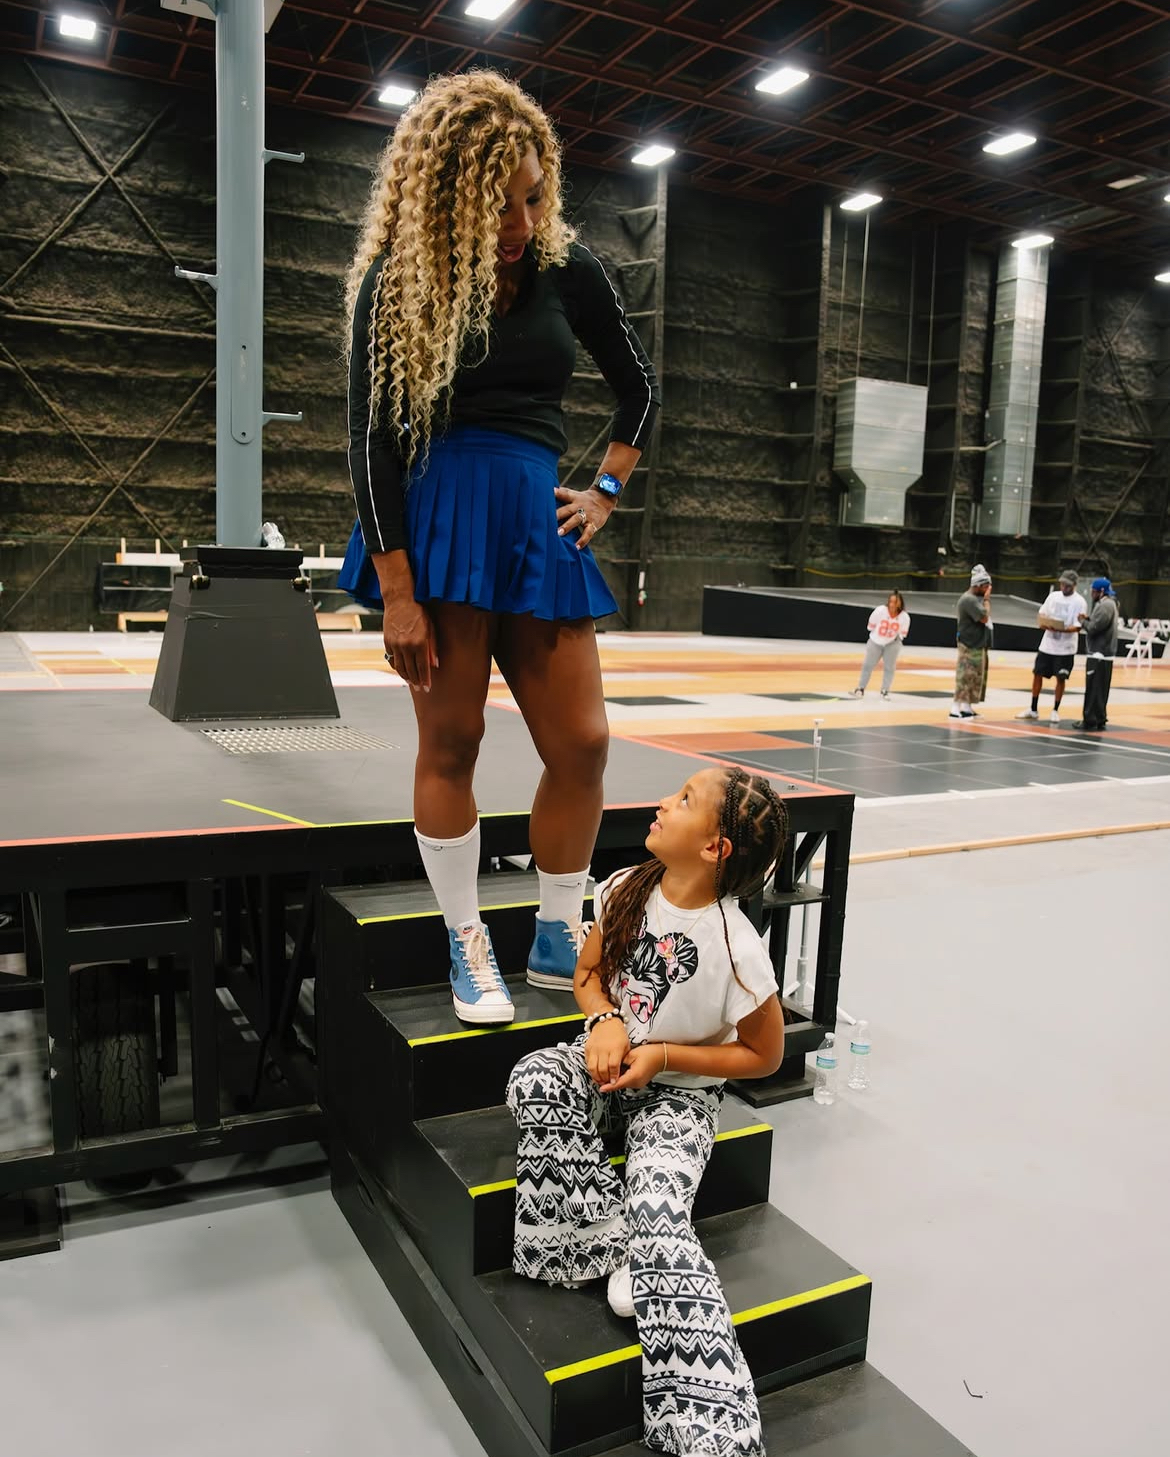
115, 1050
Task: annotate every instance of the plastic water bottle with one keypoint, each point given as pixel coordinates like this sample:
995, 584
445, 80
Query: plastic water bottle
270, 534
859, 1057
825, 1087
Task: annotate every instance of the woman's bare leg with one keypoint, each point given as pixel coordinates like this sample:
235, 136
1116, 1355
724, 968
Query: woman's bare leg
450, 720
554, 673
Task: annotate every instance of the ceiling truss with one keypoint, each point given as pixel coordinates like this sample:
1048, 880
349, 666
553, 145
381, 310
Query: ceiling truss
902, 94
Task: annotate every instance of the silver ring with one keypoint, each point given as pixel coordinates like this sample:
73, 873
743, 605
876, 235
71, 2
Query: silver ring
388, 658
581, 513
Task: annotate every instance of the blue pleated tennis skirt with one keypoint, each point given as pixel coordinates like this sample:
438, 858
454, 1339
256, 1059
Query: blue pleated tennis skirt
481, 528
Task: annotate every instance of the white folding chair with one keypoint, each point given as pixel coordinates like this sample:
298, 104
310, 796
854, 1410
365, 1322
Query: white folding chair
1142, 646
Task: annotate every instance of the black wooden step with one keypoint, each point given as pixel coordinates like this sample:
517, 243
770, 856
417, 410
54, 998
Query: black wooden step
575, 1368
564, 1373
472, 1179
440, 1065
851, 1412
394, 936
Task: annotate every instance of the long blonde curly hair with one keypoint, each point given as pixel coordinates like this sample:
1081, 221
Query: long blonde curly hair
434, 210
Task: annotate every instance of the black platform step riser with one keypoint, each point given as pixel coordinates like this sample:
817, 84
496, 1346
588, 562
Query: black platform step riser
387, 954
456, 1076
737, 1177
779, 1350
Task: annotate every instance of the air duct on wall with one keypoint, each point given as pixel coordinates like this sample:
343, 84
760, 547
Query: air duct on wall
881, 434
1021, 298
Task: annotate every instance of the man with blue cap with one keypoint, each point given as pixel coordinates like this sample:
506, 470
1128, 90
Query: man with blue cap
1101, 649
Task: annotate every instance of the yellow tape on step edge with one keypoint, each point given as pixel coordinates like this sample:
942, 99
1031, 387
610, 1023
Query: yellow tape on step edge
424, 915
757, 1312
490, 1031
478, 1189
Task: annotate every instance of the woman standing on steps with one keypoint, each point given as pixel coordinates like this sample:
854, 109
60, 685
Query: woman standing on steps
678, 994
466, 298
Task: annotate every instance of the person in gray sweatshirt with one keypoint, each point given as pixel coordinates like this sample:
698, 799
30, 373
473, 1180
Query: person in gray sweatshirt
1100, 625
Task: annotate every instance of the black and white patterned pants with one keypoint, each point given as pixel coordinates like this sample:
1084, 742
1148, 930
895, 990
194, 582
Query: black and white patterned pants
575, 1221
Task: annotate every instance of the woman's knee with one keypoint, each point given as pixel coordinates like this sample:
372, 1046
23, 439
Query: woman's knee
451, 748
582, 751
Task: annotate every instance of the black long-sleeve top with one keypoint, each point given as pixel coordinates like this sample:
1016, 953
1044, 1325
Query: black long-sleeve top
517, 388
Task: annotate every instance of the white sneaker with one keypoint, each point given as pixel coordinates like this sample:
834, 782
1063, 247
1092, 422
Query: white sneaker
620, 1292
1055, 719
1028, 713
885, 692
857, 693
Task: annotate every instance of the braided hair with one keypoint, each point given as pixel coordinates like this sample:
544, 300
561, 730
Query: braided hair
752, 830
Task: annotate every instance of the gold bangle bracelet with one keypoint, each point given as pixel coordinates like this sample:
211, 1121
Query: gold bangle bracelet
665, 1047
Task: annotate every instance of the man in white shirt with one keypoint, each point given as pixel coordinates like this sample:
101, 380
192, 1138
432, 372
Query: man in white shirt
1060, 617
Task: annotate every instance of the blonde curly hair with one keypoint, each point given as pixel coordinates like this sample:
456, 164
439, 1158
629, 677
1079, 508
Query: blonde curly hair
434, 210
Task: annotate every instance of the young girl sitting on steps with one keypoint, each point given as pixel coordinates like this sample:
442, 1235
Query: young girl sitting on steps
678, 994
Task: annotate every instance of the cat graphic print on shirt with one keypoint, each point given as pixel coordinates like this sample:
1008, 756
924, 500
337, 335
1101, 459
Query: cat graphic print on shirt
676, 983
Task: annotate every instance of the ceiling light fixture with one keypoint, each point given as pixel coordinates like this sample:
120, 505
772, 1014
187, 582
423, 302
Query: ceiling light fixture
1123, 182
776, 83
1033, 240
1162, 277
76, 28
487, 9
651, 156
860, 201
1013, 142
394, 95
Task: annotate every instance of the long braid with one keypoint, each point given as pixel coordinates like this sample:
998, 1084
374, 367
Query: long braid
754, 821
625, 911
729, 827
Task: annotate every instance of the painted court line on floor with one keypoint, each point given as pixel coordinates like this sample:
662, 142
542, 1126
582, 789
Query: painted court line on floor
1112, 745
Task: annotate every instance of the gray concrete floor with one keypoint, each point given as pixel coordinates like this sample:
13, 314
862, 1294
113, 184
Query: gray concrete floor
1003, 1182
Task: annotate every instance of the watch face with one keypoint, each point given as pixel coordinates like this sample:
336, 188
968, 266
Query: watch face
608, 485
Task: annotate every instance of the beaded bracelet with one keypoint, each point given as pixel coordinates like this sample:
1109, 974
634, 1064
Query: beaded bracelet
591, 1022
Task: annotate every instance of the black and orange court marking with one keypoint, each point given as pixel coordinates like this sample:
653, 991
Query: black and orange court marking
704, 700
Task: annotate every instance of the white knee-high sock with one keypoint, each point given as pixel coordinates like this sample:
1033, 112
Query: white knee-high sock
452, 867
561, 896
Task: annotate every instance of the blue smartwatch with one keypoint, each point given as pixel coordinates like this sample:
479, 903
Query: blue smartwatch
608, 485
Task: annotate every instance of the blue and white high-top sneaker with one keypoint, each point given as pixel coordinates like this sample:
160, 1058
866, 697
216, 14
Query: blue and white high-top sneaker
477, 988
555, 949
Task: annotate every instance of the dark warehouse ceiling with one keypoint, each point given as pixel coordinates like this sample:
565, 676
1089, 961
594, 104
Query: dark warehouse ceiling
902, 94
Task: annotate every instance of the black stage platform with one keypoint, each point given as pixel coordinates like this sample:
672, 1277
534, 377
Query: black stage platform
198, 853
79, 767
818, 614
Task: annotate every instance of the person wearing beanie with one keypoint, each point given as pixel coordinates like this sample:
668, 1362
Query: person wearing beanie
1061, 616
973, 636
1100, 648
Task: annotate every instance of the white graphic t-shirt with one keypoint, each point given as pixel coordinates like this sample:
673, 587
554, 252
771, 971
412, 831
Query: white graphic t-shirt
676, 985
883, 628
1067, 610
